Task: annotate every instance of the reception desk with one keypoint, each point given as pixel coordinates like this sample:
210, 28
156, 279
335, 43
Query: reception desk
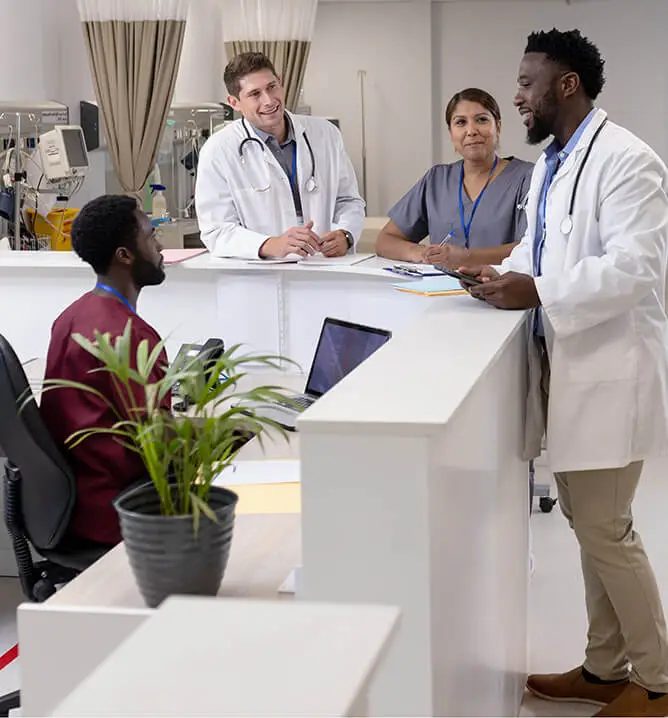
276, 308
414, 493
413, 490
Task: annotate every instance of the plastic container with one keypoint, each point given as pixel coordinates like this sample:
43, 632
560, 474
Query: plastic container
165, 554
158, 202
57, 227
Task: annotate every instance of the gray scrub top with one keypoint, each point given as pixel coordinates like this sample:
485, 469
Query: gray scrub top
431, 207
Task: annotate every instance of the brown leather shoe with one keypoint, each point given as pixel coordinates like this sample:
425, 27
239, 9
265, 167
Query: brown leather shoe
571, 687
634, 701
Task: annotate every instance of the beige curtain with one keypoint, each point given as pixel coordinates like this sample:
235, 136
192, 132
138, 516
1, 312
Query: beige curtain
289, 58
134, 66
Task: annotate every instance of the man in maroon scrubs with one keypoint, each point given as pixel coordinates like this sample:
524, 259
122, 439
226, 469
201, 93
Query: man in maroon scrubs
119, 242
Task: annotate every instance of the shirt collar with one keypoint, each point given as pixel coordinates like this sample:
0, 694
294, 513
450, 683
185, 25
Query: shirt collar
555, 148
266, 137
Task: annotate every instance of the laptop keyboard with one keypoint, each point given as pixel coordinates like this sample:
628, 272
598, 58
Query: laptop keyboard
297, 403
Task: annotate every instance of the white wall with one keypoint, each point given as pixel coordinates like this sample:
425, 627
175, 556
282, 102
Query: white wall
200, 77
392, 42
630, 34
27, 73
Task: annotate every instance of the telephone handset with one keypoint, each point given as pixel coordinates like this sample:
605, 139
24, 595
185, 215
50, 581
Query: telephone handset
208, 353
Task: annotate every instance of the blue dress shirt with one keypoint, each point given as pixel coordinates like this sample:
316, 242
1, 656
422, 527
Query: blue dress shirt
555, 155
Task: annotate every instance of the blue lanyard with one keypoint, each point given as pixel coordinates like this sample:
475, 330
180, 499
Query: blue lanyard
293, 172
466, 226
111, 290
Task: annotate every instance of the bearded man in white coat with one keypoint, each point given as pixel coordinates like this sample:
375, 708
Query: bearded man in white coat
273, 184
592, 268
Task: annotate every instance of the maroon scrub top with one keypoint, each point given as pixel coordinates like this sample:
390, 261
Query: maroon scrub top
102, 466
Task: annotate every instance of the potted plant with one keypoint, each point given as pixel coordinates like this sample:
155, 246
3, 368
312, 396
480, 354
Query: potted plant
177, 528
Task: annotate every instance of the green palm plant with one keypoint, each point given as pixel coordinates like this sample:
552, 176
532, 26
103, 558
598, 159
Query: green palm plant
183, 453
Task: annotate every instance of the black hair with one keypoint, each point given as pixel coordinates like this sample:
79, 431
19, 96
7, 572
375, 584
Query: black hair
473, 94
103, 225
575, 52
244, 64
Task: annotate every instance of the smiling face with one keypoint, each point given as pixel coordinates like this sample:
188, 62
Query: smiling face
538, 95
474, 131
261, 101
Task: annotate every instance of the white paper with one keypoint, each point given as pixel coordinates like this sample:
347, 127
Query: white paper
316, 260
421, 269
290, 259
250, 473
348, 260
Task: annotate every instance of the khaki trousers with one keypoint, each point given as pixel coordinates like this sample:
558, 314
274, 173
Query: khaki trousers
626, 620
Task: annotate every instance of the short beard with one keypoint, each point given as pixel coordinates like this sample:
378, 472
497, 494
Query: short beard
146, 274
539, 132
543, 119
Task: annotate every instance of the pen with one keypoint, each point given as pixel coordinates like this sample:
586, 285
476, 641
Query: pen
447, 237
403, 271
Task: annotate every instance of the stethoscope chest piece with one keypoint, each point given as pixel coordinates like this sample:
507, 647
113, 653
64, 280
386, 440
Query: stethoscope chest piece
566, 225
311, 185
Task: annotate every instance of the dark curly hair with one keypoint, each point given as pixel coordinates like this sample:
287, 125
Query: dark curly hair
575, 52
103, 225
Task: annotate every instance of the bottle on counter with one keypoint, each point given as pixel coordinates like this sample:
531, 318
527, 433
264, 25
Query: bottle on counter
158, 202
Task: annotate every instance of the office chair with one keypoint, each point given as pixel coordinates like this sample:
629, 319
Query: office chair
40, 493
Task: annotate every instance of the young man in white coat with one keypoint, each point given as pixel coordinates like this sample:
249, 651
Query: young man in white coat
592, 267
274, 184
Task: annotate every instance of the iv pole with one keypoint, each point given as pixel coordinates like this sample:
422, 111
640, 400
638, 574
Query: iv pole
18, 182
362, 76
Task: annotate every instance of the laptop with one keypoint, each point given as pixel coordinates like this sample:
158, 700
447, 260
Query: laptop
342, 347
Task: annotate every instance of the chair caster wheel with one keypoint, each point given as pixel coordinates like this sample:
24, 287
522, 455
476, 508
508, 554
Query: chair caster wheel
42, 590
546, 504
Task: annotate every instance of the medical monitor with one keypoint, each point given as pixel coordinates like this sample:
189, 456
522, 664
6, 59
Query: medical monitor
63, 153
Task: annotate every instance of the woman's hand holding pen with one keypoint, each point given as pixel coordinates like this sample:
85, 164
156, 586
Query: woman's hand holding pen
447, 255
418, 254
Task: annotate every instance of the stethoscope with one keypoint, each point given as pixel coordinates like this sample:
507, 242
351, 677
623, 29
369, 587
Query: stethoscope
310, 185
566, 225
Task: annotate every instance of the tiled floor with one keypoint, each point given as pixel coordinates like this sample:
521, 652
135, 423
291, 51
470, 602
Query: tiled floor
557, 618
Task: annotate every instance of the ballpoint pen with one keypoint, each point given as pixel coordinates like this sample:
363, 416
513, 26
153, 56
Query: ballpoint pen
447, 238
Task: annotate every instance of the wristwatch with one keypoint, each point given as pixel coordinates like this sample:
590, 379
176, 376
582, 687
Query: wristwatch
349, 238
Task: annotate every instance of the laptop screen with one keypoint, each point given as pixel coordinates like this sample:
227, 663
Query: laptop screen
342, 347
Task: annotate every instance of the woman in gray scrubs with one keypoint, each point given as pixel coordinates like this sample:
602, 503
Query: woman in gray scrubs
472, 210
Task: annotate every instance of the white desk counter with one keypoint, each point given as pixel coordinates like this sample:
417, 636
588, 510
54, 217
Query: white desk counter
275, 308
414, 494
245, 658
413, 490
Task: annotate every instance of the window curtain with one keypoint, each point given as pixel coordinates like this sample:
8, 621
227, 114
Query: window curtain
281, 29
134, 49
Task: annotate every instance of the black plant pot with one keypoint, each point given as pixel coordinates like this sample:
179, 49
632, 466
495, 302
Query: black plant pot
165, 554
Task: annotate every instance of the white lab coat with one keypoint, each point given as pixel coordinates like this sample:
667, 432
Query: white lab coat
603, 293
235, 220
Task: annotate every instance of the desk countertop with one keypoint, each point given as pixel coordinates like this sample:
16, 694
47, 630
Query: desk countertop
420, 378
265, 549
245, 658
40, 261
